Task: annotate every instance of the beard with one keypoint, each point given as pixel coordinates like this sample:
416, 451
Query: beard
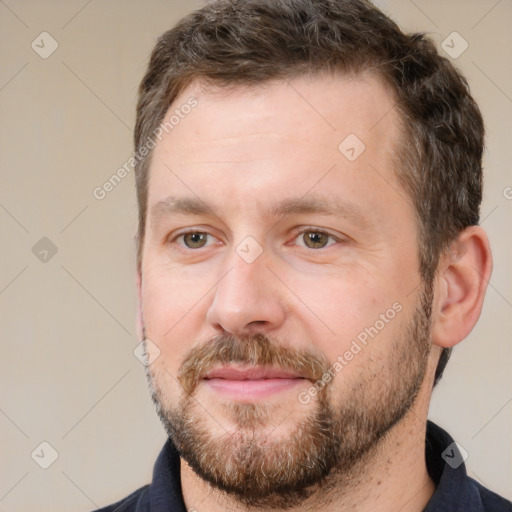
262, 470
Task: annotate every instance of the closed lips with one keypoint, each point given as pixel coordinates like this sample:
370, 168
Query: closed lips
252, 373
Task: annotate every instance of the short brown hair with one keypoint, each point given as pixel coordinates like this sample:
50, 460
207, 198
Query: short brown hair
249, 42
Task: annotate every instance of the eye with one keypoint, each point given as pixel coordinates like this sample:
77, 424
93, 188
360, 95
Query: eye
193, 239
315, 239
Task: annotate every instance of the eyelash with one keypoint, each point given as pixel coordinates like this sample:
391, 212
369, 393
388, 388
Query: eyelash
191, 232
312, 229
309, 229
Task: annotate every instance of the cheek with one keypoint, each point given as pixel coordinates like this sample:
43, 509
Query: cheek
173, 312
351, 317
169, 295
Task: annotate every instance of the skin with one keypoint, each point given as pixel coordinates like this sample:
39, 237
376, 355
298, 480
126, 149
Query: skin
240, 152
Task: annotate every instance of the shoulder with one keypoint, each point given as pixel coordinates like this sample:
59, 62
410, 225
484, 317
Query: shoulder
135, 502
455, 490
491, 502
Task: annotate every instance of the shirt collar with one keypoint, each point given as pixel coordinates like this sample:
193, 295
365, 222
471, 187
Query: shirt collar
165, 490
455, 491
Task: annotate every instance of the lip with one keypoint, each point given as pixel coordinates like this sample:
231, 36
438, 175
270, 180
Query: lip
250, 373
247, 384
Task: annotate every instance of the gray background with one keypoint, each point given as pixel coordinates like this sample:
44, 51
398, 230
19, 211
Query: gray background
68, 373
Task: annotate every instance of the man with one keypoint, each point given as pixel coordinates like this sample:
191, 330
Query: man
309, 181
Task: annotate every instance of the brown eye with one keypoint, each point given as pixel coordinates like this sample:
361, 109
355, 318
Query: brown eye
195, 240
315, 239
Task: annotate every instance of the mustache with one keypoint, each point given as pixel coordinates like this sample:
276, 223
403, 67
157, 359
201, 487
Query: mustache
257, 350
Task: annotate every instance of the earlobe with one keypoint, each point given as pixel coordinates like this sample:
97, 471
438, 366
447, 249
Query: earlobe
463, 274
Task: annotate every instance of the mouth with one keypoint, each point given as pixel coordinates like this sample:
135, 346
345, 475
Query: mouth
250, 383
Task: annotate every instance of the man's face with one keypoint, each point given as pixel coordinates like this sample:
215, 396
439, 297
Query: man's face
276, 242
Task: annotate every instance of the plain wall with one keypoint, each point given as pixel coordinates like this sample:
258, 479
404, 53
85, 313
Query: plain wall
68, 374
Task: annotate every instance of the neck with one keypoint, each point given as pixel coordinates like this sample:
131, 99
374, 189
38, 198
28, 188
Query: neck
392, 477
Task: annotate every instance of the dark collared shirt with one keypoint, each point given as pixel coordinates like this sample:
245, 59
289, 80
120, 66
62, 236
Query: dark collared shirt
455, 491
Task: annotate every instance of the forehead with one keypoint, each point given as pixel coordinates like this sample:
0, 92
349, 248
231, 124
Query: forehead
257, 144
310, 109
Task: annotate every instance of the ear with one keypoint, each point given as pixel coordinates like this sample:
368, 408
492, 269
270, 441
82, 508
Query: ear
461, 281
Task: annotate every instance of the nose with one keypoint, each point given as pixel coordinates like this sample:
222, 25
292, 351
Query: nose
247, 299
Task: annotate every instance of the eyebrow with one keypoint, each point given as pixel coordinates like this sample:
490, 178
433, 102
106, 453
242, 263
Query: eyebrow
319, 205
178, 206
290, 206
